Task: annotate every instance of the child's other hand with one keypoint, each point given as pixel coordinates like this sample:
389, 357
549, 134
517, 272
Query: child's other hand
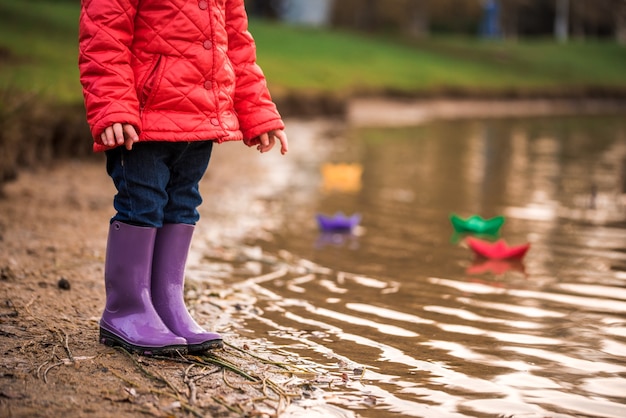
120, 134
267, 141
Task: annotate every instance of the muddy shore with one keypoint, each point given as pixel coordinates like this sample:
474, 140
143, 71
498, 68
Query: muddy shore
53, 226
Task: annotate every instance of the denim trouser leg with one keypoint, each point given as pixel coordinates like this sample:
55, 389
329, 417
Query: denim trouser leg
157, 182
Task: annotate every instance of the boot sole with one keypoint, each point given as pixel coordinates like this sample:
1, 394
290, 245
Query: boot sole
111, 340
205, 346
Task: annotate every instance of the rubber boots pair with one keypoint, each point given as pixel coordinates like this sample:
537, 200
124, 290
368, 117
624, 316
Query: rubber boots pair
144, 276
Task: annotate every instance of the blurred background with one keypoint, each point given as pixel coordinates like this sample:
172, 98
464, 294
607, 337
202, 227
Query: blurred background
489, 18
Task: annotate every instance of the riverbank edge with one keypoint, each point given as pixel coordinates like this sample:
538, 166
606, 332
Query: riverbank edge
394, 112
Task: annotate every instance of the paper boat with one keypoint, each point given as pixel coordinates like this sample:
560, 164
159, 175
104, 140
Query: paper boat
477, 224
498, 250
338, 222
342, 177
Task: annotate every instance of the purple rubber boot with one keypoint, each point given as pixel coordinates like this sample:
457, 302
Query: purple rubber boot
129, 319
168, 277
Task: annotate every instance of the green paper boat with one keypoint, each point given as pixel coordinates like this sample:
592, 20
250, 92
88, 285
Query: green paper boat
477, 224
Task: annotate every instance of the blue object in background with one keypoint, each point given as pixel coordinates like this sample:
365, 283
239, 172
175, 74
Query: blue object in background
490, 24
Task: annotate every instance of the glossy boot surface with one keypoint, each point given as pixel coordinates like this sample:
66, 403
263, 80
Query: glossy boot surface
129, 319
168, 276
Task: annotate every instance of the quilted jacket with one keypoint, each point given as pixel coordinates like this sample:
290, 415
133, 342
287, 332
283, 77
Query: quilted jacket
178, 70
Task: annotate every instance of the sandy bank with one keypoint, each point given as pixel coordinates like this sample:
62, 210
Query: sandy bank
378, 112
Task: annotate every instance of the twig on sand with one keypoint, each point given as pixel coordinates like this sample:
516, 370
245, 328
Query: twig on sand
191, 384
124, 378
184, 404
191, 381
61, 362
45, 373
30, 302
55, 360
67, 348
214, 359
156, 375
248, 380
266, 361
289, 368
227, 405
65, 342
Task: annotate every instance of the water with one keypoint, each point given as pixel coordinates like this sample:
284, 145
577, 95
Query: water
401, 313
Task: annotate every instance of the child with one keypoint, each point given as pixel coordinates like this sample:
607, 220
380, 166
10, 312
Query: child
163, 81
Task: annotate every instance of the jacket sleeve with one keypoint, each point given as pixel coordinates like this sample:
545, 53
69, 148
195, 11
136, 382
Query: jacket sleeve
104, 60
253, 104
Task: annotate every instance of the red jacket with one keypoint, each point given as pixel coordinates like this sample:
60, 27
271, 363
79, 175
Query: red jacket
178, 70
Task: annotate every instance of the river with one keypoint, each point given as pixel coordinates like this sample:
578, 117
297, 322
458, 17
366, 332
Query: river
400, 312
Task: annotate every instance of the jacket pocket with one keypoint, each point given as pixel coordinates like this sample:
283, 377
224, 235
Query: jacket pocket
150, 82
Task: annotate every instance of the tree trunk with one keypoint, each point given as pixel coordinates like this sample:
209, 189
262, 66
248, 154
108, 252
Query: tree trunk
561, 20
366, 17
620, 21
417, 12
509, 18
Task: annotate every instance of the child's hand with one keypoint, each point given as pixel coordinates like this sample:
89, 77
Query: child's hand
120, 134
267, 141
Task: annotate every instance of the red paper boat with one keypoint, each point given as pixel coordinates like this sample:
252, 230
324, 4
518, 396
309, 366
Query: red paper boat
496, 250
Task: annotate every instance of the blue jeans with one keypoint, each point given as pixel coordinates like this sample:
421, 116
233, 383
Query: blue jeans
157, 182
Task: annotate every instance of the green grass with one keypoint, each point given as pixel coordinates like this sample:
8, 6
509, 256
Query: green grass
300, 59
38, 53
38, 48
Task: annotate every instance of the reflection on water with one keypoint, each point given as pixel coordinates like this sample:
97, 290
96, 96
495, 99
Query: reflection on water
409, 321
342, 177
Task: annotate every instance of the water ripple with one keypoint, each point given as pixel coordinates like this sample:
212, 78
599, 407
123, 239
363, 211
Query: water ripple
432, 331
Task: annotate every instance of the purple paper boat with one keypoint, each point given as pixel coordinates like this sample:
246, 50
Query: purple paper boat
338, 222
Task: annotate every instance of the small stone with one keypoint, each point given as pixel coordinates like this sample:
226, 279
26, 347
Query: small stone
6, 273
64, 283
